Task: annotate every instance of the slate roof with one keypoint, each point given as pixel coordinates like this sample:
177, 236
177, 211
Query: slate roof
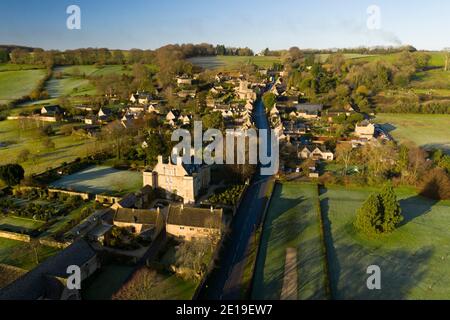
307, 107
138, 216
194, 217
52, 109
41, 281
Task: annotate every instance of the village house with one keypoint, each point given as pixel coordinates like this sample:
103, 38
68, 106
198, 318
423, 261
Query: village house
190, 223
184, 80
104, 115
365, 130
316, 153
179, 179
148, 222
187, 93
51, 111
48, 281
141, 97
173, 115
244, 92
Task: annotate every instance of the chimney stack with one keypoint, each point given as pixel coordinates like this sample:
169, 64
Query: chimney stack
212, 209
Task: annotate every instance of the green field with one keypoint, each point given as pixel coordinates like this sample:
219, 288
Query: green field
230, 62
75, 80
292, 222
414, 260
16, 84
101, 180
13, 140
20, 254
19, 224
425, 130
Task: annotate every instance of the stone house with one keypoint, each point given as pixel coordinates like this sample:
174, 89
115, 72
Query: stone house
365, 130
179, 179
316, 153
190, 223
140, 221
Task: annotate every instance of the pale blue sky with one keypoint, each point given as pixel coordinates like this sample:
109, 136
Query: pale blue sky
277, 24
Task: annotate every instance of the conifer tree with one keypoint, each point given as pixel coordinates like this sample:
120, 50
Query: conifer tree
391, 211
369, 216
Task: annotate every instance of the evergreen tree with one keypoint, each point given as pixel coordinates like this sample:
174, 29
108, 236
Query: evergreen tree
369, 216
392, 213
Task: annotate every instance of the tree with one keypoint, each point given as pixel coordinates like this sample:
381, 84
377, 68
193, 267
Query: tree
368, 217
269, 99
212, 120
11, 174
436, 185
380, 214
392, 213
344, 152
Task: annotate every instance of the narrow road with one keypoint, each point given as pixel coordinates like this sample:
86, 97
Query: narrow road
224, 282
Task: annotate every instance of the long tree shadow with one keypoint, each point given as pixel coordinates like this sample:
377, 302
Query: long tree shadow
415, 207
349, 258
278, 232
331, 250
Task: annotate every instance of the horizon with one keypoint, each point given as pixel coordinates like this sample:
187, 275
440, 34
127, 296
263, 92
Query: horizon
257, 25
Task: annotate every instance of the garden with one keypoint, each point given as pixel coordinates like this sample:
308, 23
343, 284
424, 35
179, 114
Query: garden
101, 180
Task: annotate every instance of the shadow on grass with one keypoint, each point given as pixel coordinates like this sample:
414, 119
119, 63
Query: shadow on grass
349, 256
415, 207
279, 232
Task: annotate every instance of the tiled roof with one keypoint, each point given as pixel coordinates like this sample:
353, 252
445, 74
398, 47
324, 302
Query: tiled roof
194, 217
137, 216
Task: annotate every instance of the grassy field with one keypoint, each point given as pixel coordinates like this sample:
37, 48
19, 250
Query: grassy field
233, 61
19, 224
16, 84
292, 222
20, 254
13, 140
414, 260
429, 131
101, 180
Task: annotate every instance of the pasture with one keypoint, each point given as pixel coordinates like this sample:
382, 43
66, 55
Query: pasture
414, 260
231, 62
292, 222
15, 84
16, 137
101, 180
424, 130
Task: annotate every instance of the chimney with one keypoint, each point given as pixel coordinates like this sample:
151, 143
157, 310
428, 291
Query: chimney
182, 207
179, 161
212, 209
160, 159
157, 210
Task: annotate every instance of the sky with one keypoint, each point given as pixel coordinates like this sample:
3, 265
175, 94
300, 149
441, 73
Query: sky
276, 24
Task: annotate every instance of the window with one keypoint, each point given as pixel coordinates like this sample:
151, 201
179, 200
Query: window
181, 228
192, 229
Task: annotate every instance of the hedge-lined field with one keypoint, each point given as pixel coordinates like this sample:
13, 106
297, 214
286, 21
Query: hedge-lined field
414, 260
292, 222
16, 84
425, 130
